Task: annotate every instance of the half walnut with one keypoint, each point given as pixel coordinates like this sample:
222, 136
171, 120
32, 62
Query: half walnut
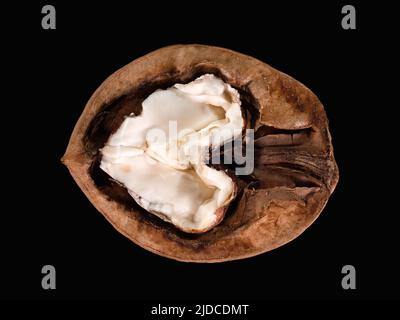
208, 214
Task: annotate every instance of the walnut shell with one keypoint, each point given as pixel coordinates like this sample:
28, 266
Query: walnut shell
295, 170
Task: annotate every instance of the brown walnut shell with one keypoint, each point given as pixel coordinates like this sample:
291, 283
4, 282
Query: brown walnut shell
295, 170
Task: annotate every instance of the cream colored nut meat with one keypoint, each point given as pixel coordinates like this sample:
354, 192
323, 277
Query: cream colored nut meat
160, 155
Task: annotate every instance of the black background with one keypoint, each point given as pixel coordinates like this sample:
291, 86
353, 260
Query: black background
48, 219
